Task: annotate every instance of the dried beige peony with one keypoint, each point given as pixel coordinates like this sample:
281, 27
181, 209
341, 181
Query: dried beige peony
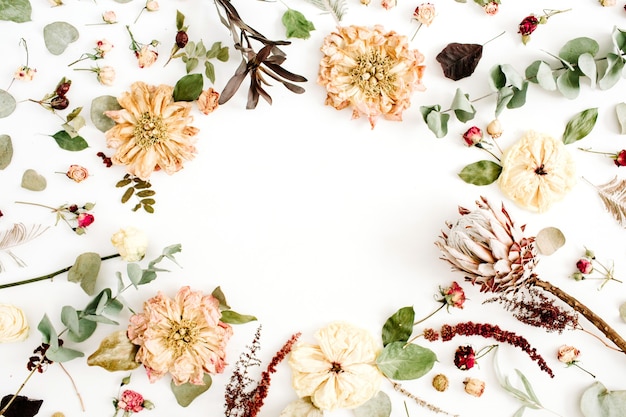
13, 324
371, 71
131, 243
182, 336
340, 371
537, 172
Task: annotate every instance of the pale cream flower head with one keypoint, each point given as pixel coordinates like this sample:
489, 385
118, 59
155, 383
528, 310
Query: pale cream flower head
340, 371
537, 171
370, 70
131, 243
13, 324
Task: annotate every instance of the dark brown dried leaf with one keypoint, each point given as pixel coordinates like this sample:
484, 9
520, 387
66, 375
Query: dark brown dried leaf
459, 60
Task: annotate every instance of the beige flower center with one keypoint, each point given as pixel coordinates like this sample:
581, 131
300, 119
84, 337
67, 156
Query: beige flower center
183, 334
372, 74
335, 367
150, 129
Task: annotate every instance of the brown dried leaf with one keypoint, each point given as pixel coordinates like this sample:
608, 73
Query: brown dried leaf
459, 60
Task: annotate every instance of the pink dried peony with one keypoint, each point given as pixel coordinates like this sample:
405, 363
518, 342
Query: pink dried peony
182, 336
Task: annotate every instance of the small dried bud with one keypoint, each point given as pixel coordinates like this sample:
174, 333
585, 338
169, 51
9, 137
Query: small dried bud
77, 173
620, 158
63, 88
152, 6
181, 39
464, 358
365, 2
109, 17
494, 129
106, 75
491, 8
577, 276
474, 386
59, 103
440, 382
567, 354
584, 265
84, 220
473, 136
58, 414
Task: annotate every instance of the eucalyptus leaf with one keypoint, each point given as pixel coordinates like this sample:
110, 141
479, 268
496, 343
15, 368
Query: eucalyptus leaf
549, 240
612, 73
48, 333
463, 108
620, 111
33, 181
377, 406
58, 35
622, 311
568, 84
505, 95
598, 401
86, 328
436, 121
540, 72
574, 48
69, 317
232, 317
99, 105
297, 25
580, 125
186, 393
519, 97
18, 11
399, 327
85, 271
7, 103
69, 143
302, 407
587, 65
100, 319
115, 353
403, 362
481, 173
188, 88
619, 39
6, 151
63, 354
134, 272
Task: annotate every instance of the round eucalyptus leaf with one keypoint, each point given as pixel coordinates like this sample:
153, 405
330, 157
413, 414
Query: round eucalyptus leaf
549, 240
7, 104
378, 406
6, 151
58, 35
98, 106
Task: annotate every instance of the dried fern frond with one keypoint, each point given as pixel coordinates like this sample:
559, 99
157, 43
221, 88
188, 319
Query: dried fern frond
613, 195
18, 235
337, 8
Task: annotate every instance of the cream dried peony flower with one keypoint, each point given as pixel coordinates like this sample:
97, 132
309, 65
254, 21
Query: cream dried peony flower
183, 336
131, 244
372, 71
537, 171
340, 372
152, 131
13, 324
489, 248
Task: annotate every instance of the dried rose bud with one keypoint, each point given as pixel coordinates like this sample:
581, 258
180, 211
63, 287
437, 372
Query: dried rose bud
388, 4
608, 3
491, 8
473, 136
77, 173
59, 103
152, 6
208, 101
528, 25
453, 296
440, 382
102, 47
106, 75
146, 57
464, 358
181, 39
63, 88
577, 276
73, 208
494, 129
474, 386
584, 265
365, 2
25, 73
109, 17
84, 219
568, 354
620, 158
130, 401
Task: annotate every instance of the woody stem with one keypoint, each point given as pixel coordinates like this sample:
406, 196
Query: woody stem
580, 308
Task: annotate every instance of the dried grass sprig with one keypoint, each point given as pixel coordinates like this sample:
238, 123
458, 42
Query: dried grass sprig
18, 235
396, 386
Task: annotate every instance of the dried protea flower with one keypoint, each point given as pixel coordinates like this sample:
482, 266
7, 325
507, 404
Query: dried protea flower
486, 245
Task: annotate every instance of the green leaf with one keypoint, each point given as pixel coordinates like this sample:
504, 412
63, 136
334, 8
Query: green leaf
85, 271
97, 303
134, 273
612, 73
505, 95
7, 103
98, 106
180, 20
217, 293
297, 25
597, 401
223, 54
463, 109
619, 39
587, 65
48, 333
528, 387
568, 84
209, 71
620, 111
231, 317
436, 121
540, 72
58, 35
520, 411
188, 88
190, 65
519, 97
481, 173
62, 354
65, 141
86, 328
399, 326
17, 11
6, 151
69, 317
96, 318
215, 49
403, 362
576, 47
186, 393
580, 125
378, 406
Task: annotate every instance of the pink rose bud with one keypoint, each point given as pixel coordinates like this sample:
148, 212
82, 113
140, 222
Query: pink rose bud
620, 158
474, 386
473, 136
103, 46
464, 358
84, 219
130, 401
208, 101
453, 295
528, 25
491, 8
568, 354
109, 17
388, 4
584, 265
77, 173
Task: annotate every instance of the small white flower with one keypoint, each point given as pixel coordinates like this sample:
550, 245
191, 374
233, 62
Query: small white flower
13, 324
131, 243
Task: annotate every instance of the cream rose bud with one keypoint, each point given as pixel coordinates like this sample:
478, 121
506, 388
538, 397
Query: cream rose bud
424, 13
146, 57
131, 244
152, 6
568, 354
109, 17
77, 173
474, 386
13, 324
106, 75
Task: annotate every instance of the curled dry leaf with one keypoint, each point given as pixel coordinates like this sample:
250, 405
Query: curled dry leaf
459, 60
549, 240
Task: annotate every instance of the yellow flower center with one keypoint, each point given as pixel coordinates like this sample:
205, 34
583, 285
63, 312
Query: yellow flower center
372, 74
183, 334
150, 129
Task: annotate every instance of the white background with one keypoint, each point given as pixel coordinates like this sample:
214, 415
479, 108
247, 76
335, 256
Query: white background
302, 215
